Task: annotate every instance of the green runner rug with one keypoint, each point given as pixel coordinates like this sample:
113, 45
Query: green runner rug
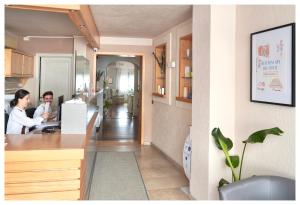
117, 177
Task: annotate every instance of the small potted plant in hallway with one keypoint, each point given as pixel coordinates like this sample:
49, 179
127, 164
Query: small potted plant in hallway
106, 106
233, 161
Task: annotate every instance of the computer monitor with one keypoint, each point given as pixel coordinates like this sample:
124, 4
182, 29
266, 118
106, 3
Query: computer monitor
60, 102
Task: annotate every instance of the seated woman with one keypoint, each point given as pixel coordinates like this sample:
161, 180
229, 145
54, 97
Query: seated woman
18, 122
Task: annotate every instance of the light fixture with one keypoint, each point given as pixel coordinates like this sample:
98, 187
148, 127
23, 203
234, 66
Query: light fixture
128, 56
27, 38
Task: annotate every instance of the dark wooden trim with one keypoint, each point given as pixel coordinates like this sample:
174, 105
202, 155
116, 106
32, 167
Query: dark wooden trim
158, 95
187, 100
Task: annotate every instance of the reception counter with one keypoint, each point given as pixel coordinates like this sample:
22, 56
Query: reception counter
48, 166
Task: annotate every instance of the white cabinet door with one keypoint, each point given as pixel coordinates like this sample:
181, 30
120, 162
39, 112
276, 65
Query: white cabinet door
56, 75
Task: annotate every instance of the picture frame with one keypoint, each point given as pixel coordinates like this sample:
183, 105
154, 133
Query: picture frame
272, 66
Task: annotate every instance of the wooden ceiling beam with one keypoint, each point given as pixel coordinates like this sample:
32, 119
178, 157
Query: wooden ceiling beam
80, 15
57, 8
84, 21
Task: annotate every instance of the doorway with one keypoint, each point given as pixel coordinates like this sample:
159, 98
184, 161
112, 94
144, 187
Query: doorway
121, 86
56, 75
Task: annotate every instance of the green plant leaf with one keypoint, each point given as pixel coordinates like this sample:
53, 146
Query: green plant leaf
224, 144
225, 151
222, 182
216, 133
235, 161
259, 136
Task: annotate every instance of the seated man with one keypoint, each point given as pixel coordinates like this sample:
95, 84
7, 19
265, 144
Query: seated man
45, 106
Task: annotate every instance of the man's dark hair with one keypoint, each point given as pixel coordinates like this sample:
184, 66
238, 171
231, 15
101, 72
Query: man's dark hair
47, 93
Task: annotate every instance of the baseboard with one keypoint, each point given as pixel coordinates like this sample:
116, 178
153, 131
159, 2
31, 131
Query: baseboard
178, 166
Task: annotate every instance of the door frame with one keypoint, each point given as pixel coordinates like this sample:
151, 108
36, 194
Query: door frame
140, 137
37, 71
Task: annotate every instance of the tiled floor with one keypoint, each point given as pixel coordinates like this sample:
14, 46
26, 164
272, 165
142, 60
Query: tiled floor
163, 180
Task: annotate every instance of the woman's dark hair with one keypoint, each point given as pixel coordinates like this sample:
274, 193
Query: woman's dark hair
20, 94
47, 93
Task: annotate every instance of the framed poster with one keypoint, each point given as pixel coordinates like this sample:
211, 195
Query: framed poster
273, 66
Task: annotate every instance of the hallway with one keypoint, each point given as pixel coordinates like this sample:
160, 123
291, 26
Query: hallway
118, 124
162, 179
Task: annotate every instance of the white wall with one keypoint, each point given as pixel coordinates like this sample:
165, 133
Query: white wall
221, 42
11, 40
171, 119
222, 89
200, 115
214, 106
277, 154
46, 45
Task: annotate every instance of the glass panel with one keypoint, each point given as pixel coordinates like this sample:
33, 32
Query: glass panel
82, 71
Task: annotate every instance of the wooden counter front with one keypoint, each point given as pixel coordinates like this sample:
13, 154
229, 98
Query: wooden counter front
46, 166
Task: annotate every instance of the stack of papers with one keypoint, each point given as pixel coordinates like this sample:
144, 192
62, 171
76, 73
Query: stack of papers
47, 124
76, 101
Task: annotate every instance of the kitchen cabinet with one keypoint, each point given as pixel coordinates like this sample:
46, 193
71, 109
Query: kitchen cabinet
18, 64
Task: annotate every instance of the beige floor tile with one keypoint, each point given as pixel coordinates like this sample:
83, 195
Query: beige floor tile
167, 194
138, 154
160, 172
162, 179
165, 182
154, 163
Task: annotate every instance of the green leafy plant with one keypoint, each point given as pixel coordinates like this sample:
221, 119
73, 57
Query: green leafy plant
104, 84
233, 161
99, 75
106, 105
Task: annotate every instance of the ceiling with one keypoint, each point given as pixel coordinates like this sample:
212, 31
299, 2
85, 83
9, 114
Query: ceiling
38, 23
143, 21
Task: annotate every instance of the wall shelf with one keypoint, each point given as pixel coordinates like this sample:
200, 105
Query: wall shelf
187, 58
185, 69
187, 100
160, 72
158, 95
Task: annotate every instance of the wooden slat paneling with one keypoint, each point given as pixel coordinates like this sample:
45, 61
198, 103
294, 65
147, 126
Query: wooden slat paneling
66, 195
43, 155
20, 177
37, 187
41, 165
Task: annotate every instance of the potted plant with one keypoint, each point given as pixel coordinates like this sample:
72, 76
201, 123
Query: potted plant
106, 106
233, 161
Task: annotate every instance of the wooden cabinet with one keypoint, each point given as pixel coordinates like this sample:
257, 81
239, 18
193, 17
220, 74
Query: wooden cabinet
160, 71
49, 166
27, 65
185, 69
18, 64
